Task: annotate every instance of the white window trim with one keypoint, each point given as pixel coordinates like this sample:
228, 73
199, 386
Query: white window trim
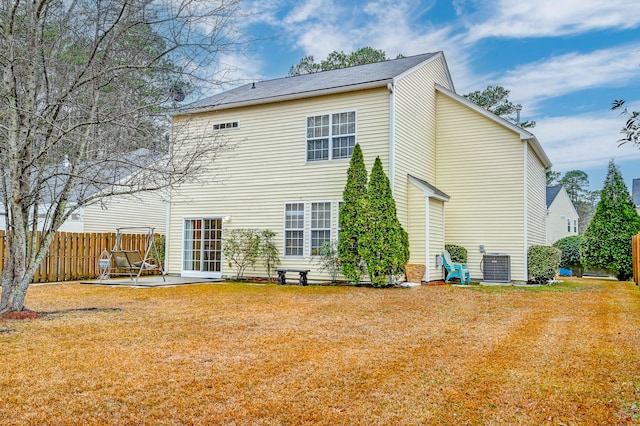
330, 136
311, 228
200, 274
285, 229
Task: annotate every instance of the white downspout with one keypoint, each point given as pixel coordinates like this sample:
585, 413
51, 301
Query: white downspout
166, 231
392, 135
427, 228
526, 209
444, 237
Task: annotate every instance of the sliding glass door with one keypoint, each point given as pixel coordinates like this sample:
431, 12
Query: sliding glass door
202, 248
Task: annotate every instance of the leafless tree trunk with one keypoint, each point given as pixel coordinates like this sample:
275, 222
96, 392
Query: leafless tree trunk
85, 86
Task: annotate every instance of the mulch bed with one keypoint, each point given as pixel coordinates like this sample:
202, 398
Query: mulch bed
28, 314
19, 315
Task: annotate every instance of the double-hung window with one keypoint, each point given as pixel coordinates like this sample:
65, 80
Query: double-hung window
294, 229
320, 225
331, 136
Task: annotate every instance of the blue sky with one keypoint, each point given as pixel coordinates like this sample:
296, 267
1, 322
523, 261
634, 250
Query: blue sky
563, 60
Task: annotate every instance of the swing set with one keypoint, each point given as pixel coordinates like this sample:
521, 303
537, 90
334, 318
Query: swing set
121, 262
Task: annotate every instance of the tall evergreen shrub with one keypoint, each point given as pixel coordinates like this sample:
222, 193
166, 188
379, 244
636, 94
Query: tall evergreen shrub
384, 246
353, 218
606, 244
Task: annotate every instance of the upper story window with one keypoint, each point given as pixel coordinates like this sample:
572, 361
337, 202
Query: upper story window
224, 126
331, 136
568, 225
575, 226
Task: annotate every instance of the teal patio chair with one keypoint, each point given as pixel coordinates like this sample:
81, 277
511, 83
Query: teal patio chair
455, 270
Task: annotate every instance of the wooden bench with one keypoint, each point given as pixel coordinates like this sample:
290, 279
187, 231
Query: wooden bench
282, 280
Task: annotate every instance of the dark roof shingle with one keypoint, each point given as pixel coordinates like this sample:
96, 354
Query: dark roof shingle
552, 193
309, 84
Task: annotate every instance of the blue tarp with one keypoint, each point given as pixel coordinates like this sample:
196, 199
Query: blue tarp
565, 272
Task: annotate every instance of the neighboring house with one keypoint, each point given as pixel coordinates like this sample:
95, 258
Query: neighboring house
459, 174
562, 217
144, 209
107, 214
636, 194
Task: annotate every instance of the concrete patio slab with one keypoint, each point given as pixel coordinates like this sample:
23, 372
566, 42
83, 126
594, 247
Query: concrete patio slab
152, 281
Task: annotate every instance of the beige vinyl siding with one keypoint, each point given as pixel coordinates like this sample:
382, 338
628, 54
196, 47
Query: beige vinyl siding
268, 168
481, 166
145, 209
536, 200
415, 127
436, 238
417, 226
426, 231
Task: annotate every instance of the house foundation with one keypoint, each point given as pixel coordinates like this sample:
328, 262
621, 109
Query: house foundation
415, 272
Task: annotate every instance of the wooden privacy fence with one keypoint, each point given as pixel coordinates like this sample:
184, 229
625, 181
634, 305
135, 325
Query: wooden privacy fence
74, 256
635, 240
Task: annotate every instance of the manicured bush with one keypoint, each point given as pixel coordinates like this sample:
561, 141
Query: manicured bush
544, 263
570, 258
458, 253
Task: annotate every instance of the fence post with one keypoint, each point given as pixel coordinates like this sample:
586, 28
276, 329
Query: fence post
635, 244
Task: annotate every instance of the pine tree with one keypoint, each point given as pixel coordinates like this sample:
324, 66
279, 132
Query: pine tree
352, 217
606, 244
384, 246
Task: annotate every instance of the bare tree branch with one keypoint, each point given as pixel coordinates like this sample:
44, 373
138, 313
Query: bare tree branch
85, 87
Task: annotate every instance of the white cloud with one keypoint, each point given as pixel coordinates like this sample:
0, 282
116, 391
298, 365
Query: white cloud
585, 141
318, 27
546, 18
549, 78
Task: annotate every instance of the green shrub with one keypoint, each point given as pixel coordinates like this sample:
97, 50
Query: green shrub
570, 259
384, 246
606, 243
328, 259
353, 218
241, 248
269, 251
458, 253
544, 263
157, 251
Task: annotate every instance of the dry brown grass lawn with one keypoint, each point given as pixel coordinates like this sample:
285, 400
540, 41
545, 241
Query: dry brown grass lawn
238, 354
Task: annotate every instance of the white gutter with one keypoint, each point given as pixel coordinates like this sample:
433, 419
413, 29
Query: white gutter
284, 98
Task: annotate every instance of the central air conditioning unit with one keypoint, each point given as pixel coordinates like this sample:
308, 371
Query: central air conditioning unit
496, 267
